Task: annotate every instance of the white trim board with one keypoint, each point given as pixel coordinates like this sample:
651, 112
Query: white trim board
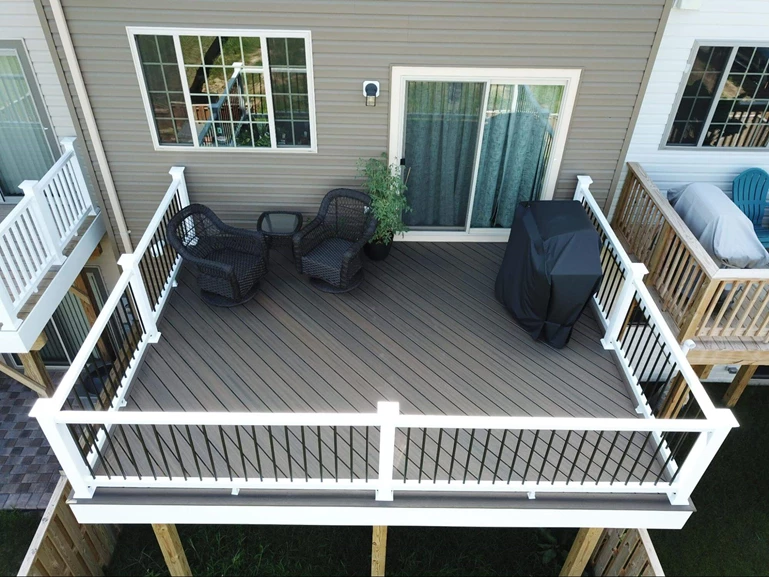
241, 514
263, 34
566, 77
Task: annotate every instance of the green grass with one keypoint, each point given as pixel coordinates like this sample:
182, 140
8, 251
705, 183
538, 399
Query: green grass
729, 533
16, 531
275, 550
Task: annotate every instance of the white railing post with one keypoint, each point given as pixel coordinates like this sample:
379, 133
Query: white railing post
387, 413
64, 447
47, 228
633, 276
68, 145
700, 456
128, 262
583, 184
177, 175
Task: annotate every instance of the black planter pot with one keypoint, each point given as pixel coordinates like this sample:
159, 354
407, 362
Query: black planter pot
377, 250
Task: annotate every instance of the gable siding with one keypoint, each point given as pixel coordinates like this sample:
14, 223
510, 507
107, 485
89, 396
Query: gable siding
19, 21
354, 41
738, 21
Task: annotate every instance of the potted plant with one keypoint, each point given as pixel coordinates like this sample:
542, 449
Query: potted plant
384, 185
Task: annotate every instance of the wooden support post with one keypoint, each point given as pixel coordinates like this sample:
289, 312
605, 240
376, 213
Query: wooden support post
702, 371
173, 552
378, 550
34, 368
583, 547
738, 385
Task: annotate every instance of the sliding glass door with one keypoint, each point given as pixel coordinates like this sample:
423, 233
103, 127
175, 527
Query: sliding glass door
475, 146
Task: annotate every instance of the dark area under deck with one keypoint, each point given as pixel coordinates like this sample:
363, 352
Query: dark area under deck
424, 329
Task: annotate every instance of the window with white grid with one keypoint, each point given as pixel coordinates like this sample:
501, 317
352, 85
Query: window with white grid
227, 89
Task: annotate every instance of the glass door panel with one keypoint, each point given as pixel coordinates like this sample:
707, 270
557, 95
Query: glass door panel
24, 149
441, 132
518, 130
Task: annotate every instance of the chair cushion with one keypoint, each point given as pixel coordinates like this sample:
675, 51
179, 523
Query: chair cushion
248, 269
325, 260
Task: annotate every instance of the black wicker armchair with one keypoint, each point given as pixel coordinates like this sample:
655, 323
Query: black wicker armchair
329, 248
228, 261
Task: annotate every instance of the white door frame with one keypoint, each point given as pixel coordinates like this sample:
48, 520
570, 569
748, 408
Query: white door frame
566, 77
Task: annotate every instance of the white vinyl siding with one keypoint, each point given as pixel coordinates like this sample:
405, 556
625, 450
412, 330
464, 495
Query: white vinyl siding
733, 22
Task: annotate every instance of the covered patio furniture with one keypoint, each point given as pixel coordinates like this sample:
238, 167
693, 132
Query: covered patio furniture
749, 192
228, 261
551, 268
329, 248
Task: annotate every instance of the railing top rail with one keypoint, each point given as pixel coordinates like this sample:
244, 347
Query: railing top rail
373, 419
699, 253
737, 275
654, 312
69, 380
624, 257
54, 170
176, 173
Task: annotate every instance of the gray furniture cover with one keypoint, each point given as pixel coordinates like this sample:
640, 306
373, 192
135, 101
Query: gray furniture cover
720, 226
551, 268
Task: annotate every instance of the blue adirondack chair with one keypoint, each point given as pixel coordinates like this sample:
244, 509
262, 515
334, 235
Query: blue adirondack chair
749, 192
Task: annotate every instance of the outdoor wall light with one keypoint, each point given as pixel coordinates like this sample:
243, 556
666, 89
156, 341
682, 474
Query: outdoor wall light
370, 91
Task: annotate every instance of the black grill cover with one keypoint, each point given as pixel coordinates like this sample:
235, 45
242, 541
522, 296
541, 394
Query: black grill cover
551, 268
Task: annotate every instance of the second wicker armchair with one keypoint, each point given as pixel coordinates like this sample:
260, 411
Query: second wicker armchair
329, 248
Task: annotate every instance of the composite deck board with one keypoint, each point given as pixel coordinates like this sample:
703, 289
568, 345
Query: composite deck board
424, 330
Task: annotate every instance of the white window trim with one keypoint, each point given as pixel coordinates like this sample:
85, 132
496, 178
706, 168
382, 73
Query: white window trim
133, 31
567, 77
734, 45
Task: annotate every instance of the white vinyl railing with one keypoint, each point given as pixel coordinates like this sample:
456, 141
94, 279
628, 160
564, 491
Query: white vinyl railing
663, 451
34, 235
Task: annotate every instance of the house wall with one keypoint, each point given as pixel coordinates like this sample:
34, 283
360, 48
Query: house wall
19, 21
743, 21
610, 40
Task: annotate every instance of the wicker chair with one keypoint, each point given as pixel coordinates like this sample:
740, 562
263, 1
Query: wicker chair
329, 248
228, 261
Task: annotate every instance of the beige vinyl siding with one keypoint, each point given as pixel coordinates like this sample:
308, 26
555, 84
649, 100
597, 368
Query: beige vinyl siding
609, 40
19, 21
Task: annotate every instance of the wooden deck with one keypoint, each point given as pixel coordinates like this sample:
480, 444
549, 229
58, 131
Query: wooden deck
424, 329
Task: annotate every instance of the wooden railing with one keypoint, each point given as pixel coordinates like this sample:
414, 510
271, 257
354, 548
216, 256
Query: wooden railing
627, 552
385, 452
62, 546
35, 234
703, 300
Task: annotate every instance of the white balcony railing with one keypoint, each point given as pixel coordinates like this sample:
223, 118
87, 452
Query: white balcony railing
664, 452
35, 234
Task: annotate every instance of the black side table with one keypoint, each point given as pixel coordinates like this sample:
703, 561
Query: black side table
279, 226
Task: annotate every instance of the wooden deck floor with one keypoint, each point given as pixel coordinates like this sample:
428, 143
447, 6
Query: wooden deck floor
424, 329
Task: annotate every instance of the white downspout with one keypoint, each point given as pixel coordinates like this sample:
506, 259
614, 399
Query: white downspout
90, 121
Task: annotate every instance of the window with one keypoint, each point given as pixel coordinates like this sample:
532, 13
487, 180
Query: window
227, 89
27, 143
725, 102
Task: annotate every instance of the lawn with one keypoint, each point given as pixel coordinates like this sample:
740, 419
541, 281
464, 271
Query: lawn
16, 531
729, 534
270, 550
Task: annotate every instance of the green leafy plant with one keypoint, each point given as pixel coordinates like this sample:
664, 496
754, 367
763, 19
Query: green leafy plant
387, 189
551, 548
